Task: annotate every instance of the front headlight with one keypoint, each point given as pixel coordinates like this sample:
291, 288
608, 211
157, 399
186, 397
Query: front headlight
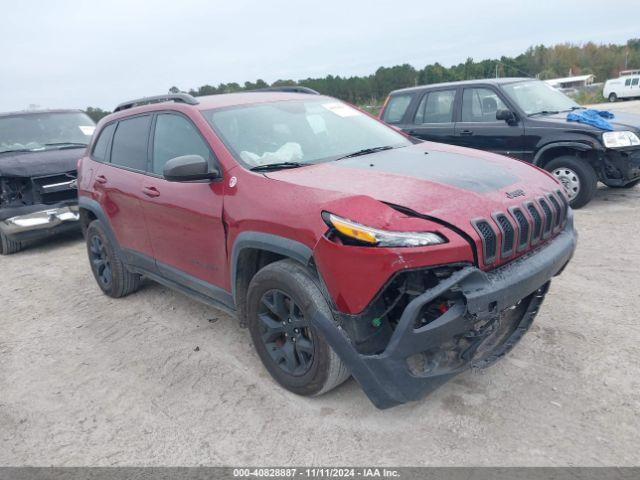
380, 238
620, 139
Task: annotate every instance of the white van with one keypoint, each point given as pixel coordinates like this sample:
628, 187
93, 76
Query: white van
625, 86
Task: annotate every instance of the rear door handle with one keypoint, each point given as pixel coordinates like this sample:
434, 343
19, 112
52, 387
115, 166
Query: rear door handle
151, 191
101, 179
466, 132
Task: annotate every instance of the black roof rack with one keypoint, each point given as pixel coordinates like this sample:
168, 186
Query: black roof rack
172, 97
288, 88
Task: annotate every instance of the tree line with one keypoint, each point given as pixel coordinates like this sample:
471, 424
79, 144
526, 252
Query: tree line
603, 61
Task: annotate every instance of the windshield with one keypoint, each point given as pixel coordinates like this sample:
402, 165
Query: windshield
44, 131
538, 97
299, 132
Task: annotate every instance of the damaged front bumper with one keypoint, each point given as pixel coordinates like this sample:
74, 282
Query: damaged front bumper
38, 221
491, 312
622, 166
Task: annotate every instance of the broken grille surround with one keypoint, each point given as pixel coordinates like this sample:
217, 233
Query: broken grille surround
503, 233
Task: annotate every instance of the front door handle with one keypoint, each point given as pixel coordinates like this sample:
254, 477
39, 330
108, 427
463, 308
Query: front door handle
151, 191
466, 132
101, 179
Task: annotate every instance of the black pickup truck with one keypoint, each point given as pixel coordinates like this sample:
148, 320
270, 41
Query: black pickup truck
525, 119
39, 151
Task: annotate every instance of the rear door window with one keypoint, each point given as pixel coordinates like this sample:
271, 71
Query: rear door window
130, 140
480, 105
396, 108
634, 82
436, 107
100, 152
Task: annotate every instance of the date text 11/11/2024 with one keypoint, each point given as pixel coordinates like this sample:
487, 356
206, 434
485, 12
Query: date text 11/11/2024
318, 472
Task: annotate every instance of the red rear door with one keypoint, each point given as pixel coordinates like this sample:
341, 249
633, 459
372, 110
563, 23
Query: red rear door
118, 186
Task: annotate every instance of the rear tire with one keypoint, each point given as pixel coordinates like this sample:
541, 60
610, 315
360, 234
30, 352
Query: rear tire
613, 97
8, 246
578, 178
108, 268
281, 298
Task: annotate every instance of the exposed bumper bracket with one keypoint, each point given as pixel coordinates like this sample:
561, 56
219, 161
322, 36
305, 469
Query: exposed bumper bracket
40, 220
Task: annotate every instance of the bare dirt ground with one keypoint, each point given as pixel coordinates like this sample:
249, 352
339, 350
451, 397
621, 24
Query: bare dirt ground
87, 380
151, 380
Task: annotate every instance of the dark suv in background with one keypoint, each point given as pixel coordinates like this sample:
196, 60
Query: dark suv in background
39, 151
525, 119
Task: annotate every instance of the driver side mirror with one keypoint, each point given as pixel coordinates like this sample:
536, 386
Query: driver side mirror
189, 167
506, 115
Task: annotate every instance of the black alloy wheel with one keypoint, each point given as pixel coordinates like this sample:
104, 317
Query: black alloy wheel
100, 261
108, 268
286, 333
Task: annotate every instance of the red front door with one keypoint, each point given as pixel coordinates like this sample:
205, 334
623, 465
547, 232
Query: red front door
184, 219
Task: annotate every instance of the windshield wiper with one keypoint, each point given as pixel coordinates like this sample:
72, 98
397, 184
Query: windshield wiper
19, 150
544, 112
277, 166
66, 145
365, 151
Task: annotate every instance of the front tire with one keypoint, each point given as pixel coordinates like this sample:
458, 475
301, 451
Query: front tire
280, 301
8, 246
613, 97
578, 178
108, 268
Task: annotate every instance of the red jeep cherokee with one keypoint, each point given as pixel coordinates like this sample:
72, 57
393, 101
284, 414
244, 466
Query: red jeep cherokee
345, 247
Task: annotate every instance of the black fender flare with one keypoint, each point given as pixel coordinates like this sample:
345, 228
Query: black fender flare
583, 147
95, 208
272, 243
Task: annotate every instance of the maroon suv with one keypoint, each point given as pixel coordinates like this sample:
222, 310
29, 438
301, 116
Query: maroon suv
346, 247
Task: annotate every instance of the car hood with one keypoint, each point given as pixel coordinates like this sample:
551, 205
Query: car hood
620, 121
34, 164
453, 184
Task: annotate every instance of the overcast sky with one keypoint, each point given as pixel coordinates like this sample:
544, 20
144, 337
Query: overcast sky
61, 53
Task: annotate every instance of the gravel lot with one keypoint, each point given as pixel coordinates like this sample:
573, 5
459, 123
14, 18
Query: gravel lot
87, 380
630, 106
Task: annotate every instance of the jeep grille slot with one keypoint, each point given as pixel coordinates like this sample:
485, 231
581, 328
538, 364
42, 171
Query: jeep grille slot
489, 240
508, 234
537, 222
558, 209
523, 225
564, 203
548, 216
